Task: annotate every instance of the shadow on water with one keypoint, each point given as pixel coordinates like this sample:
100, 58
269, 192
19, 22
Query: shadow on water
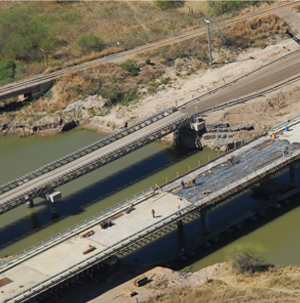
182, 241
39, 217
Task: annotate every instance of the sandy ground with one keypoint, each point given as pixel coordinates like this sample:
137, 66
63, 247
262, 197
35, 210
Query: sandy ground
160, 280
185, 88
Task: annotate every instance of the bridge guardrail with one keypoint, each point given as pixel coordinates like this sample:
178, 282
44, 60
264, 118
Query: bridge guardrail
236, 80
62, 276
77, 228
93, 164
85, 150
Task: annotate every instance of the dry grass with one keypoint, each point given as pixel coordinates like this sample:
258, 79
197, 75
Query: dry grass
253, 32
297, 8
274, 285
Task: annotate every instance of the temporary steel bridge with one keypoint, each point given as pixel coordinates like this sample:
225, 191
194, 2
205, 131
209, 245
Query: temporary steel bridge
91, 157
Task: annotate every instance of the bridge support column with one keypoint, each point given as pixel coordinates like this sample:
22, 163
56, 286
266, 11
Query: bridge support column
29, 203
204, 222
54, 210
179, 224
53, 198
293, 175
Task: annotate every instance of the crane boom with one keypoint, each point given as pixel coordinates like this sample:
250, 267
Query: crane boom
293, 37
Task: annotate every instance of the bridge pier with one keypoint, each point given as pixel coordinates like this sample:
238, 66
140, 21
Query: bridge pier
54, 210
29, 203
204, 222
53, 198
293, 175
179, 224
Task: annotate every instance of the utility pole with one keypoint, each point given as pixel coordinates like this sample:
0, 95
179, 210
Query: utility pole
208, 36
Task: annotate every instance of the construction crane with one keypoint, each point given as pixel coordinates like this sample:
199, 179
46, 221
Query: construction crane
293, 37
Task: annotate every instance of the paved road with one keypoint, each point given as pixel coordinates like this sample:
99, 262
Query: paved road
277, 73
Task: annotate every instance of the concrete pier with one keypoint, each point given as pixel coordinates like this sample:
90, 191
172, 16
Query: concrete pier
29, 203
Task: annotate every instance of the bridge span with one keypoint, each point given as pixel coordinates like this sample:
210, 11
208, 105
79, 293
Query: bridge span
130, 225
46, 179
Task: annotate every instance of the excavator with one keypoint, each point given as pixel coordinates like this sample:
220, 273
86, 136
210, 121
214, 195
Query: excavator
293, 37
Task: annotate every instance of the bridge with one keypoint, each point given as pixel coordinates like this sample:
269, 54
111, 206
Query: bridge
44, 180
130, 225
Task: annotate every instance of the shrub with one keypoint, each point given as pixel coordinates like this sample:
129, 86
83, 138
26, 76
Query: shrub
90, 43
148, 61
131, 66
7, 71
162, 4
217, 8
246, 257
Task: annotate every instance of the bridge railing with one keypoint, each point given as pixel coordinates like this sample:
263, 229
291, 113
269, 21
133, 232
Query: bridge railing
77, 228
85, 150
98, 257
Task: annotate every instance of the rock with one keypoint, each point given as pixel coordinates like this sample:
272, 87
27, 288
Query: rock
246, 127
208, 136
69, 125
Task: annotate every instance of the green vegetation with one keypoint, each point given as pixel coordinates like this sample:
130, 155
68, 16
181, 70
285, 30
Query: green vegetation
148, 61
248, 257
217, 8
131, 66
7, 71
24, 36
162, 4
88, 43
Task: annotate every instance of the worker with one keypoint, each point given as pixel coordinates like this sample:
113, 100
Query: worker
182, 184
153, 213
194, 180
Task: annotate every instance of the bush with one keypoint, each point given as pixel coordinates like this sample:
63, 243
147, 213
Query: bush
217, 8
131, 66
148, 61
7, 71
246, 257
162, 4
90, 43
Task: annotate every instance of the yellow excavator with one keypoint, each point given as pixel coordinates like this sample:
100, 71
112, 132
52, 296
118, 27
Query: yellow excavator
293, 37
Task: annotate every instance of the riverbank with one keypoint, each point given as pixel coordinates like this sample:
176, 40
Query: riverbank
216, 283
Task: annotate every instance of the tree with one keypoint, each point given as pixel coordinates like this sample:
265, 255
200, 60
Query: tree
246, 257
90, 43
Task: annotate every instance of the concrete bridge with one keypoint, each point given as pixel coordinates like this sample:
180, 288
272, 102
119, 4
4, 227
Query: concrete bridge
130, 225
44, 181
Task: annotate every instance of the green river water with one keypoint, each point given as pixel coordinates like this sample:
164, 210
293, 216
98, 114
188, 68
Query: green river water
88, 195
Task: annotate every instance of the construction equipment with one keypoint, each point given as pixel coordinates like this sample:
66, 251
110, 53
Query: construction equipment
293, 37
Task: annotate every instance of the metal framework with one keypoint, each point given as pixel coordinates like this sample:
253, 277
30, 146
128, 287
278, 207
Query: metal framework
85, 150
94, 164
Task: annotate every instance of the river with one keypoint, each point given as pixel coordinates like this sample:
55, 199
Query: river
90, 194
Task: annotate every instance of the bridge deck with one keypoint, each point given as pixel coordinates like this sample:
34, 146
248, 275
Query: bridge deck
64, 255
108, 153
43, 268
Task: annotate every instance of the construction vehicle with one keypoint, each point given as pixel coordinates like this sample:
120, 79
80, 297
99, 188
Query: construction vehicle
293, 37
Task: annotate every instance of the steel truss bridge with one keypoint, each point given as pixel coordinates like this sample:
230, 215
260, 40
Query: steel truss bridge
91, 157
